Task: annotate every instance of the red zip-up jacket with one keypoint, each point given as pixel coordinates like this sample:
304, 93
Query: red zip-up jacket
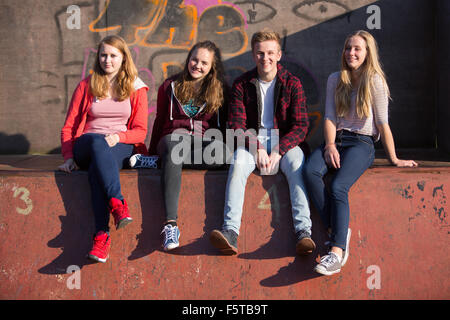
170, 116
290, 111
80, 104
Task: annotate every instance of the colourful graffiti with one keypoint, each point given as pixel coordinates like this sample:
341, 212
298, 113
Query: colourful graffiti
174, 24
160, 33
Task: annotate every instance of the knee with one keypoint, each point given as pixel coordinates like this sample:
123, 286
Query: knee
96, 143
291, 166
243, 163
338, 189
292, 161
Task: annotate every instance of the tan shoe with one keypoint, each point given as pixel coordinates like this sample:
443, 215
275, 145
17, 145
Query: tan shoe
305, 245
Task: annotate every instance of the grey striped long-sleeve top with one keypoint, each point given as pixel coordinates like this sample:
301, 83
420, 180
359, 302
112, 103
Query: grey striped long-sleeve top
351, 122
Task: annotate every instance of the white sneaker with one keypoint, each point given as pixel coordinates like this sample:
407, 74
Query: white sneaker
329, 264
346, 252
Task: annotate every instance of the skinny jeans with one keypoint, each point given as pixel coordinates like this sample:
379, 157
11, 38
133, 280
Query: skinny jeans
103, 163
356, 153
178, 151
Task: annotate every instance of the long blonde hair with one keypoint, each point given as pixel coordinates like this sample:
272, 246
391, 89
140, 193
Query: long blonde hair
370, 68
99, 83
213, 85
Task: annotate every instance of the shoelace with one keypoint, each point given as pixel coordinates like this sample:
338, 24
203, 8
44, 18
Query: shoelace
149, 162
170, 233
328, 260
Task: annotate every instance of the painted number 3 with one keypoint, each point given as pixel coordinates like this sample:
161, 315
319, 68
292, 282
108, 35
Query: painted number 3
24, 196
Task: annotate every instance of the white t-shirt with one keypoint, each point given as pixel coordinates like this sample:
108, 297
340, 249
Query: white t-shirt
267, 90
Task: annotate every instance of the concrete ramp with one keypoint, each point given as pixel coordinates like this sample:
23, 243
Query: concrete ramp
399, 246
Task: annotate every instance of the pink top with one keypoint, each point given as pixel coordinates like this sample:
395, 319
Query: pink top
108, 116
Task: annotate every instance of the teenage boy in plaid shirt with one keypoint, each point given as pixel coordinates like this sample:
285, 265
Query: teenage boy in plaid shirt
270, 102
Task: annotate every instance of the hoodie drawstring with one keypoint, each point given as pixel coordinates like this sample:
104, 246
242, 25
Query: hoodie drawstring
171, 105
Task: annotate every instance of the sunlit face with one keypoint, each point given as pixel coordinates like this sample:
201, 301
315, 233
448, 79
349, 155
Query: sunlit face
200, 63
355, 52
110, 59
266, 54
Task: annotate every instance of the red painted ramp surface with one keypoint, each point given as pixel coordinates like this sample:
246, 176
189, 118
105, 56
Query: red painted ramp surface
399, 247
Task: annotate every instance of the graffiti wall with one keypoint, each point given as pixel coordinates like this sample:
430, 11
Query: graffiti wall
48, 47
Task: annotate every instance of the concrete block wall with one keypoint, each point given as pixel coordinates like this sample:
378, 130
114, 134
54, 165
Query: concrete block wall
442, 67
44, 55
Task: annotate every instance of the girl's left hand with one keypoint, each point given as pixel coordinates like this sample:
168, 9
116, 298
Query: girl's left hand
406, 163
112, 139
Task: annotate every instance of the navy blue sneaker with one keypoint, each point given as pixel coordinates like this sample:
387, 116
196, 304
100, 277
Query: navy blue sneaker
171, 237
140, 161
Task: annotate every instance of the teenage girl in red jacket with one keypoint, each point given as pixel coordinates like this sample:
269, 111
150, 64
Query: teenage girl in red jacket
106, 123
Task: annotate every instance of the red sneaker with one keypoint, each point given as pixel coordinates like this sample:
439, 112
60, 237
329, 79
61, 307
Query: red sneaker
100, 249
120, 212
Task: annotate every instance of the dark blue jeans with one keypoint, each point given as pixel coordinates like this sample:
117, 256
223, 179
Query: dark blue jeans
356, 155
103, 163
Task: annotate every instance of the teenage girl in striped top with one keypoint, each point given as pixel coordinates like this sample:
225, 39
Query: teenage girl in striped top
356, 116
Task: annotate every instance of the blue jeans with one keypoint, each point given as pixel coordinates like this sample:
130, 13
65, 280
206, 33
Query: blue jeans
103, 163
356, 153
242, 166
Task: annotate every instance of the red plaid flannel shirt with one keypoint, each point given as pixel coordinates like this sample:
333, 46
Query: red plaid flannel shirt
291, 117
